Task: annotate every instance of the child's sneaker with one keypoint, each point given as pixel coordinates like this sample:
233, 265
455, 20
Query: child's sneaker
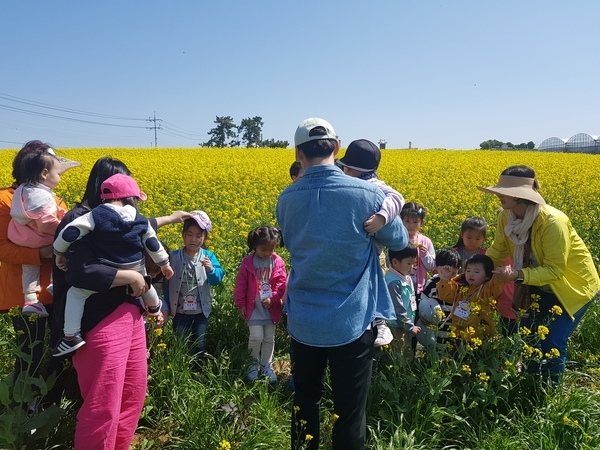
267, 370
384, 334
35, 308
68, 344
252, 373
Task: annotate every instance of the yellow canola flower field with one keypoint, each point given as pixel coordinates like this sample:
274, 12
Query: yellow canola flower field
238, 188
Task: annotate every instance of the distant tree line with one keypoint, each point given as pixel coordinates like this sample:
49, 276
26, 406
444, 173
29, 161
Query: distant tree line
247, 134
493, 143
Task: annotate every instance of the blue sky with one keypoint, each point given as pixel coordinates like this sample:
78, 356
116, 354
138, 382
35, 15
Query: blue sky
446, 74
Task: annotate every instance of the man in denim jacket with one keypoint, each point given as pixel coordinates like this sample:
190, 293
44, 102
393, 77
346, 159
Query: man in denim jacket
336, 287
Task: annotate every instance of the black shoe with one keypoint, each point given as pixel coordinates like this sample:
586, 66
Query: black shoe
68, 345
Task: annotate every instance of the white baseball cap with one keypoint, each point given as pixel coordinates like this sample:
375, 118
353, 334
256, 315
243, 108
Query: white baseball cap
303, 131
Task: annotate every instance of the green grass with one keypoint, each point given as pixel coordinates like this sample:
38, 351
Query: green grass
421, 404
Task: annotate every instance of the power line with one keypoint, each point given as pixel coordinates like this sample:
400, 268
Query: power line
169, 130
62, 109
71, 119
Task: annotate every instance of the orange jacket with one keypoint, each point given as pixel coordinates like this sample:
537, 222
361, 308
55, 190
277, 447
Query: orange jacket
12, 257
480, 309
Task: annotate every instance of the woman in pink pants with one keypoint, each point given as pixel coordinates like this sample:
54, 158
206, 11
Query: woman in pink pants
111, 367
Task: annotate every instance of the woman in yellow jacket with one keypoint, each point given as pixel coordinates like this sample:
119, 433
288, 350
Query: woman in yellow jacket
549, 260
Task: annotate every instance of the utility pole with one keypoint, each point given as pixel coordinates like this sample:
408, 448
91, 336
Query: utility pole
154, 127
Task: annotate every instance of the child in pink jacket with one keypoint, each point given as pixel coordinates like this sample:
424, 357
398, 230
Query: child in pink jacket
35, 217
259, 289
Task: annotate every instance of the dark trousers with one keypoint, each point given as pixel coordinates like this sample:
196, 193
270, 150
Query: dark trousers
560, 329
350, 368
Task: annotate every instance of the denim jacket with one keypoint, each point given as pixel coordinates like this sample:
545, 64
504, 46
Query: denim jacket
336, 286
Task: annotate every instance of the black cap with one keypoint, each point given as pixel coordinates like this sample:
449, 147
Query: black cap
361, 155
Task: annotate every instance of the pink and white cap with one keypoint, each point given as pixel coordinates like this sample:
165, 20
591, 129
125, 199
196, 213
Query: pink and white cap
202, 220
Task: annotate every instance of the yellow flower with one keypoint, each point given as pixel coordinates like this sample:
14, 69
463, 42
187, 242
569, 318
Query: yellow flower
20, 332
296, 408
476, 342
553, 353
303, 422
542, 332
525, 331
33, 317
535, 306
161, 345
308, 437
527, 350
557, 310
334, 417
492, 301
466, 369
14, 311
570, 422
483, 377
158, 331
224, 445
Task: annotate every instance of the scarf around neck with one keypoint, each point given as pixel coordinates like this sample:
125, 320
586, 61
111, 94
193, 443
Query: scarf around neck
517, 230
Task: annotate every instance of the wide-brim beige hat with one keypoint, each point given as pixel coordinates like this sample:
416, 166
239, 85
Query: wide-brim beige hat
518, 187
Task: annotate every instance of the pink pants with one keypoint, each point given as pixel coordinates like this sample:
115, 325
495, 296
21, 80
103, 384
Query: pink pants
112, 373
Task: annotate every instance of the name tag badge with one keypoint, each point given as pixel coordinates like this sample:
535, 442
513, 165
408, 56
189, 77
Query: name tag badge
463, 311
190, 303
265, 290
413, 302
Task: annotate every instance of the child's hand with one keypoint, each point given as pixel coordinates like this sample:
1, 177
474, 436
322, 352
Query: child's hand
167, 271
242, 310
160, 319
445, 272
207, 264
61, 262
422, 250
266, 302
416, 330
374, 223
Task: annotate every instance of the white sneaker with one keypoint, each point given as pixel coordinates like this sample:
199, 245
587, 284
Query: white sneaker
35, 308
384, 334
267, 370
252, 373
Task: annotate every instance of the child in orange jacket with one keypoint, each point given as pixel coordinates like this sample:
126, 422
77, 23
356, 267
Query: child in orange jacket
473, 295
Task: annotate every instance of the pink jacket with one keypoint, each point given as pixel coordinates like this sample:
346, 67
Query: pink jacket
36, 215
246, 287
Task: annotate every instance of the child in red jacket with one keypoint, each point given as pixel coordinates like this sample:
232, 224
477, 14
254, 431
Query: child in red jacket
259, 289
